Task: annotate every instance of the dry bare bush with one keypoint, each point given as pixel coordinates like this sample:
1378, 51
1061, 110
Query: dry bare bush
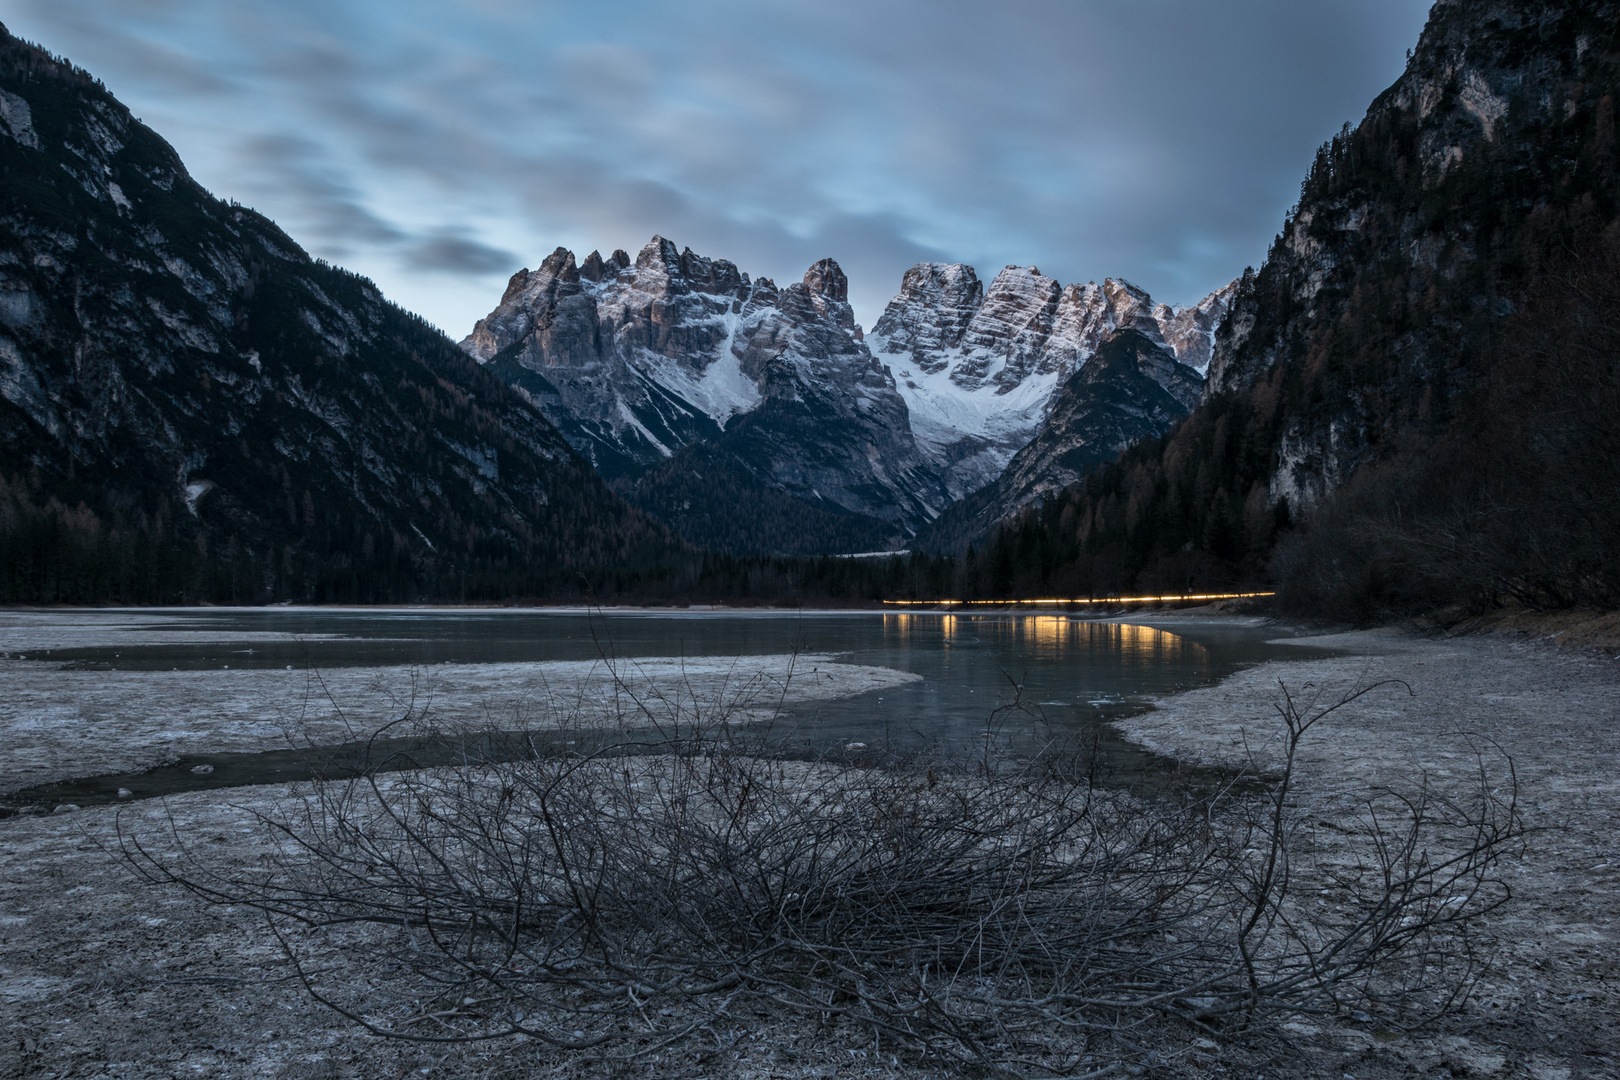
1001, 916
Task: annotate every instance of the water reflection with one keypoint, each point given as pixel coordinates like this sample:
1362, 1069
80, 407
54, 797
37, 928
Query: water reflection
1065, 674
1050, 637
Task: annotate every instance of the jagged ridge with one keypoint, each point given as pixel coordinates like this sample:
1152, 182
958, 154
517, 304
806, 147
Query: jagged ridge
980, 369
638, 361
654, 367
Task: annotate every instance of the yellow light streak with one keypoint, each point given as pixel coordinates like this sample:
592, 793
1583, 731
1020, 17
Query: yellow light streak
1052, 601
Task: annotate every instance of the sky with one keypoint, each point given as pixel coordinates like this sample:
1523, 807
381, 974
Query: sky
437, 146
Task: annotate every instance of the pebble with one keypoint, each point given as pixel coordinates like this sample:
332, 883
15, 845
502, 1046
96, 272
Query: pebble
124, 793
202, 770
65, 807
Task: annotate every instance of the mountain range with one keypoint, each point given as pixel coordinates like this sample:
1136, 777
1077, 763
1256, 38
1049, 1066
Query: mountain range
759, 419
1410, 402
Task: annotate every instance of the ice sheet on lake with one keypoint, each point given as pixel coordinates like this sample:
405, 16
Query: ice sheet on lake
24, 632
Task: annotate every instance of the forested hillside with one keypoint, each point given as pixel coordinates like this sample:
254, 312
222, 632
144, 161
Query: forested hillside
191, 409
1412, 402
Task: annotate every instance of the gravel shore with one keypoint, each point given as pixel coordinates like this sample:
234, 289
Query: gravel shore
1549, 1006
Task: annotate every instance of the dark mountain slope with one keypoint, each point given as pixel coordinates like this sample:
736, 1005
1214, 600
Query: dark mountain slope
192, 408
716, 498
1132, 389
1373, 333
672, 362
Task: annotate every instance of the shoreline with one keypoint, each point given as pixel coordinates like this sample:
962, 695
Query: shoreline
1010, 607
1548, 1006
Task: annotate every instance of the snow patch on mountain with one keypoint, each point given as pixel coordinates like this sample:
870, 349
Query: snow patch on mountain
979, 369
720, 388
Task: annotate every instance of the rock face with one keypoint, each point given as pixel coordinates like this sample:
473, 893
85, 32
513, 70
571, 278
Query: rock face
622, 356
1377, 334
1410, 235
1190, 331
980, 369
676, 358
201, 411
1131, 388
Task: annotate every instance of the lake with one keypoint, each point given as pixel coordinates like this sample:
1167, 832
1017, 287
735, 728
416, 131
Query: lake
157, 701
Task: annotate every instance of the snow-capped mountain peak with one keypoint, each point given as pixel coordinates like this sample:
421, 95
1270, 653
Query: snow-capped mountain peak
979, 368
674, 355
639, 362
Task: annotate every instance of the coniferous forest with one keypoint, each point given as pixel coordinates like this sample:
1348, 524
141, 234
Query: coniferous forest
1466, 398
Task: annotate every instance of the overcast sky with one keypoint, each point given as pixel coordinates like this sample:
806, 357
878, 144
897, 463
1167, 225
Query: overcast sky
438, 145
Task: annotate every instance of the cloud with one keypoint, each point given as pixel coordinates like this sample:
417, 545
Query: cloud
296, 173
424, 143
450, 254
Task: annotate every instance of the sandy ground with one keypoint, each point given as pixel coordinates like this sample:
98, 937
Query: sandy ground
1549, 1007
102, 976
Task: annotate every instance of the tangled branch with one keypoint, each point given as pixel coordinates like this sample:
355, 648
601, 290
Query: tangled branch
1013, 918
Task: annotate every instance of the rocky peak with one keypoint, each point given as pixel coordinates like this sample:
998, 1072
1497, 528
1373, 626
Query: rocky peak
684, 360
718, 277
596, 269
658, 268
1026, 324
826, 292
560, 265
763, 294
1190, 331
680, 342
515, 285
826, 278
980, 368
1127, 302
1008, 333
529, 298
937, 301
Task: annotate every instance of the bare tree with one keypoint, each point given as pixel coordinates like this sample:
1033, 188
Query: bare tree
1003, 915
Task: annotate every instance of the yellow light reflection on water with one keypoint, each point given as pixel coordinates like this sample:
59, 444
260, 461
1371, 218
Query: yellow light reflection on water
1143, 645
1055, 636
1052, 636
1106, 601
